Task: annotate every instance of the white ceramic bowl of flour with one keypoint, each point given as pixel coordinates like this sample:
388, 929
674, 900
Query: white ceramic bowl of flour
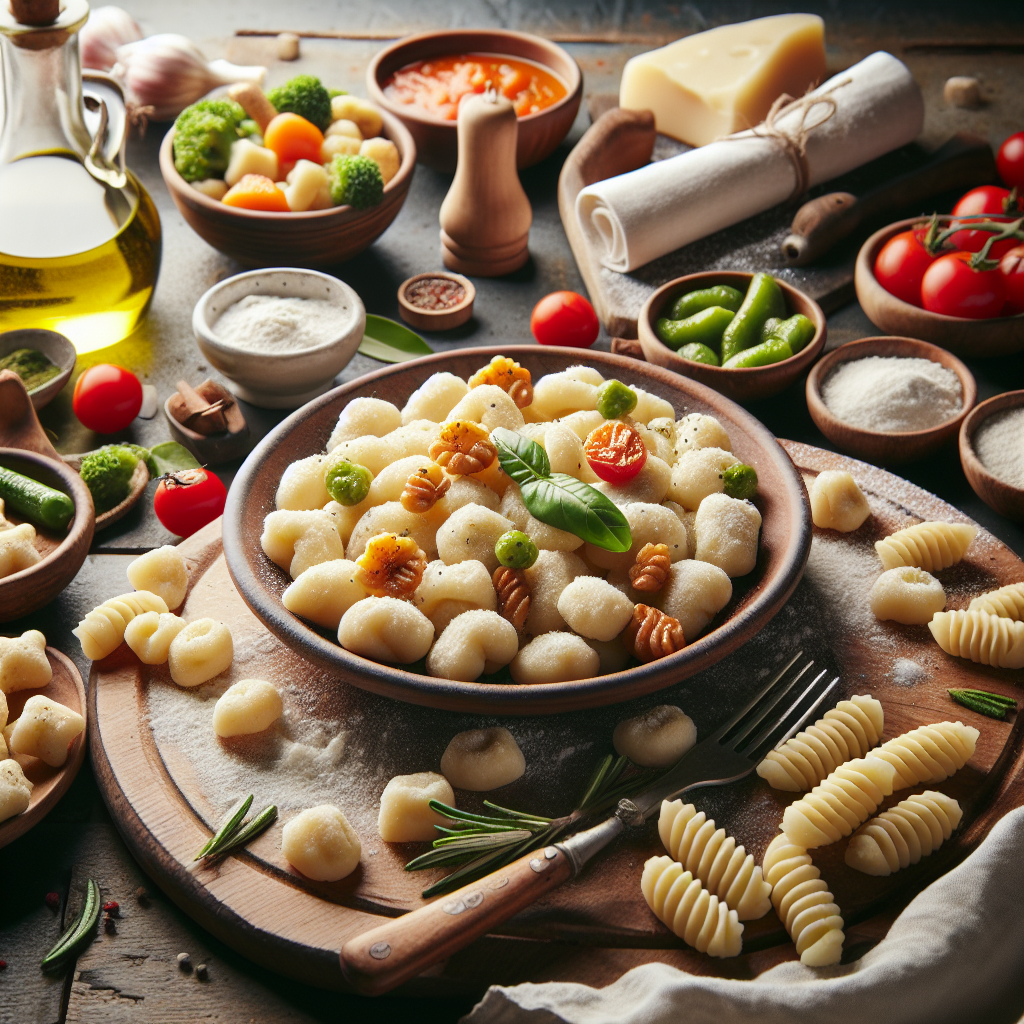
281, 335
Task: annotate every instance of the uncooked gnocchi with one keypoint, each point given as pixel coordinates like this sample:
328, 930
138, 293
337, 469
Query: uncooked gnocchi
482, 759
694, 594
472, 533
386, 629
202, 650
17, 549
23, 662
149, 635
405, 815
837, 503
473, 644
102, 630
555, 658
324, 592
246, 707
45, 729
697, 473
362, 416
297, 540
163, 572
449, 590
321, 844
727, 530
15, 789
656, 738
593, 608
907, 594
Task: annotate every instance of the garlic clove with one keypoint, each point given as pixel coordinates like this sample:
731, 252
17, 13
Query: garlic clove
107, 29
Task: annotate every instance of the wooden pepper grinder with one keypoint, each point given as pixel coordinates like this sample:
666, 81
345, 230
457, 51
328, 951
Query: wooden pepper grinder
486, 217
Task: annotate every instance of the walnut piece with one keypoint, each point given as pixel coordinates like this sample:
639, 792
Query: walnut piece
508, 375
651, 634
424, 488
651, 569
464, 447
513, 595
391, 566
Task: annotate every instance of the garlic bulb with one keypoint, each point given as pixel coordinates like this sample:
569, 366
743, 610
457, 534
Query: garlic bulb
106, 30
167, 72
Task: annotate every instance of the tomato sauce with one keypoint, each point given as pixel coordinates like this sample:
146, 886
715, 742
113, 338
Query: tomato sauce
435, 86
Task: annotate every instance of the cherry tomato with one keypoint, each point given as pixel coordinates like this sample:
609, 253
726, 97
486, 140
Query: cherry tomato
564, 318
186, 501
988, 202
984, 199
901, 264
1011, 266
1010, 161
952, 287
107, 398
615, 451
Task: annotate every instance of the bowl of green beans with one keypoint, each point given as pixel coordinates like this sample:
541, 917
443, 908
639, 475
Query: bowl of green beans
746, 335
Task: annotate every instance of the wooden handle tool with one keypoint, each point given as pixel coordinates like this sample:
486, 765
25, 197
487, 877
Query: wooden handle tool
963, 162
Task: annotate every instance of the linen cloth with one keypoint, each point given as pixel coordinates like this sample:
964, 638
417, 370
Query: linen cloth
955, 954
636, 217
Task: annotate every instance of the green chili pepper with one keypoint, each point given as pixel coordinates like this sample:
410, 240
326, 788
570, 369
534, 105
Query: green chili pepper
774, 350
693, 302
79, 931
763, 300
348, 483
797, 330
614, 399
698, 353
740, 480
705, 328
516, 550
769, 327
43, 505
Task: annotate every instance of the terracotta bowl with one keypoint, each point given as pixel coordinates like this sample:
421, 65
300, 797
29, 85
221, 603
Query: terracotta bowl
969, 338
55, 347
782, 500
319, 238
437, 138
63, 554
878, 446
1006, 499
741, 385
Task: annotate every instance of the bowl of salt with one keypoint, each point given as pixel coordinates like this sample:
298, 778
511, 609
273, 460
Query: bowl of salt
279, 336
992, 455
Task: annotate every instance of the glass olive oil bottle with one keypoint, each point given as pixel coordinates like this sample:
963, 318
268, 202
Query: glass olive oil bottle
79, 235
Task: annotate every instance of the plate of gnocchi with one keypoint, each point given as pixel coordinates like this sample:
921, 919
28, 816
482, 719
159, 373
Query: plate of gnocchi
509, 530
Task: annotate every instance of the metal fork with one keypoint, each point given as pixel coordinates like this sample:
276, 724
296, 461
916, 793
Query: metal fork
378, 960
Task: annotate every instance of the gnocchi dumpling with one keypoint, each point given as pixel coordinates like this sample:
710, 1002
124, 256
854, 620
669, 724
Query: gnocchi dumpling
386, 629
149, 635
163, 572
727, 530
548, 577
699, 431
482, 759
473, 644
555, 658
908, 595
837, 503
435, 398
324, 592
656, 738
593, 608
560, 394
489, 406
246, 707
102, 630
405, 815
17, 549
15, 789
297, 540
698, 473
320, 843
472, 532
650, 407
364, 416
449, 590
45, 729
302, 485
23, 662
649, 523
651, 485
694, 594
393, 517
564, 450
202, 650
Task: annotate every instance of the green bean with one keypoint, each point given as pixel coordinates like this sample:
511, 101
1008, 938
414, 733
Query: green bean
693, 302
704, 327
763, 300
774, 350
43, 505
797, 330
698, 353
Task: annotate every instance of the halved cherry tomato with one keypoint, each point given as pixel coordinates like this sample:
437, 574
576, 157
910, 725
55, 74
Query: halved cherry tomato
256, 192
1010, 161
107, 398
901, 264
186, 501
953, 287
1011, 266
294, 138
616, 452
564, 318
987, 202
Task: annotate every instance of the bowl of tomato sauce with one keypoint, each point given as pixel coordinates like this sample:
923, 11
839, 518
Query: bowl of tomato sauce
421, 79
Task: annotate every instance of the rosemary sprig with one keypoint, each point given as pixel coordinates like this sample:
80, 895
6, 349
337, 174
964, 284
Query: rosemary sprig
995, 705
488, 842
78, 932
230, 826
236, 832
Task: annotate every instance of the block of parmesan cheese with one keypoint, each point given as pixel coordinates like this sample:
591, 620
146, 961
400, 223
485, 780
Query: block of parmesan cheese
718, 82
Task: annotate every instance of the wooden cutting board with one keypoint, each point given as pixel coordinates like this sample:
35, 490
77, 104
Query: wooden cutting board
168, 780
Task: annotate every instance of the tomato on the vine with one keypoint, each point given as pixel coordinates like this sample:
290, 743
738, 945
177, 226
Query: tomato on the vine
901, 263
1010, 161
189, 499
1011, 266
616, 452
564, 318
987, 202
107, 398
953, 287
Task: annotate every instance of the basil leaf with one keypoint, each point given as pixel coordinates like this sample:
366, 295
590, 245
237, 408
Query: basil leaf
391, 342
169, 457
558, 499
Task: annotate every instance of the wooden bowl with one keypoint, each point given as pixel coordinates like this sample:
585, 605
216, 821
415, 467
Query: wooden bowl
436, 319
437, 138
888, 448
999, 336
63, 555
54, 346
1006, 499
319, 238
782, 500
741, 385
49, 784
136, 489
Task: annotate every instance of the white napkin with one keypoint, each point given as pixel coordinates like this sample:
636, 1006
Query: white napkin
637, 217
956, 954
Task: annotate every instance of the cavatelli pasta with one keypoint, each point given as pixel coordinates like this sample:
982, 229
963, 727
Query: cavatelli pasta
725, 869
928, 754
904, 834
102, 630
929, 546
848, 730
982, 637
1006, 601
833, 809
681, 903
803, 902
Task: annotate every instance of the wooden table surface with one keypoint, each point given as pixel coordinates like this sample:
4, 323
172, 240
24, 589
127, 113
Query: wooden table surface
133, 976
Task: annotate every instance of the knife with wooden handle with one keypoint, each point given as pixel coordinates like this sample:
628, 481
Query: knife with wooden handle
963, 162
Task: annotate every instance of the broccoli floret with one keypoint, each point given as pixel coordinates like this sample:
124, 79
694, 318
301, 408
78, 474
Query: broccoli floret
355, 181
303, 95
107, 473
337, 92
248, 128
203, 135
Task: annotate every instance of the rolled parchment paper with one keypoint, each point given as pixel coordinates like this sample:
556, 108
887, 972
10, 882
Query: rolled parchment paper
634, 218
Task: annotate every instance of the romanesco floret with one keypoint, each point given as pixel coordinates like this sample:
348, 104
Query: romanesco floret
203, 134
355, 181
108, 472
303, 95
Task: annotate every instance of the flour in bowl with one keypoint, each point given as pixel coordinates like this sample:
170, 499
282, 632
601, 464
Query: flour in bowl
273, 324
999, 444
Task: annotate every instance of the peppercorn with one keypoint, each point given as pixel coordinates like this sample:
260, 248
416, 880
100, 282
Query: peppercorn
202, 973
53, 900
184, 962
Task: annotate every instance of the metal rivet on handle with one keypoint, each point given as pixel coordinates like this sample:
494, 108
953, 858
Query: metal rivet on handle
550, 853
500, 883
380, 951
453, 907
474, 899
538, 865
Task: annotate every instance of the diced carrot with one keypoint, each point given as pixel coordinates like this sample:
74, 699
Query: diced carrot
294, 138
256, 192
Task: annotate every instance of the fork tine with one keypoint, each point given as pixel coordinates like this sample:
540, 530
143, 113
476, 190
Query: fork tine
761, 713
765, 737
806, 716
758, 697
